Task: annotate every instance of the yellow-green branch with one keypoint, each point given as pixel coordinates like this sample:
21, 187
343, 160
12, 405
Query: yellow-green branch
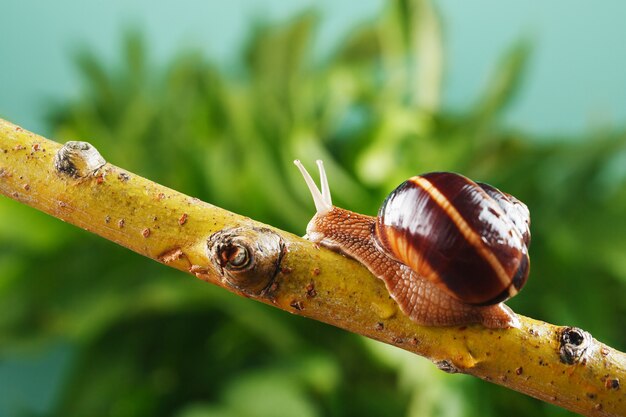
561, 365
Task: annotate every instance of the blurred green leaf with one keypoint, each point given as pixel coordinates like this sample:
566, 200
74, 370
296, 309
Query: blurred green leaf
151, 341
505, 82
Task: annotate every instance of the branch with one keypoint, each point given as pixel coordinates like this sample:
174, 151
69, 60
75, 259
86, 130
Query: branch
560, 365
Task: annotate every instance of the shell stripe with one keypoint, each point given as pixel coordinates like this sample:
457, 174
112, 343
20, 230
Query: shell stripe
468, 233
397, 240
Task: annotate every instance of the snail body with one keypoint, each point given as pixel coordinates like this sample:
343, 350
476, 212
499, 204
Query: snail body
449, 250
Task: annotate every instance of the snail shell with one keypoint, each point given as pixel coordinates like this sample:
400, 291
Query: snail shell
469, 239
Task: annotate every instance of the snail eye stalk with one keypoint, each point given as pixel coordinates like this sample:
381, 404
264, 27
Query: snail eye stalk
321, 199
324, 183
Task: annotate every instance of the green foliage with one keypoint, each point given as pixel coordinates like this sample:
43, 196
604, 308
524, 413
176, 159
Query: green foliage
153, 342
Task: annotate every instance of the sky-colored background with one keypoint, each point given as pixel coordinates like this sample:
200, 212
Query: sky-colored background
576, 81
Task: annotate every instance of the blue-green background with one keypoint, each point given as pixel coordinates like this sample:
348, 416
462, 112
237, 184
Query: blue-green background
575, 80
72, 342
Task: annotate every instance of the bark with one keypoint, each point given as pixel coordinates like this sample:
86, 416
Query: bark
561, 365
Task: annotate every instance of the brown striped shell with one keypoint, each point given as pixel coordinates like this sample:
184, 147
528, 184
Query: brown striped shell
468, 238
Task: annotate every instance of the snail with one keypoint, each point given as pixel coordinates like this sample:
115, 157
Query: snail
450, 250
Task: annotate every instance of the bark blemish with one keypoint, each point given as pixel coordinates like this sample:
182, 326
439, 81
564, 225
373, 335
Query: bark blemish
612, 383
446, 366
573, 344
78, 160
247, 258
310, 290
171, 255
